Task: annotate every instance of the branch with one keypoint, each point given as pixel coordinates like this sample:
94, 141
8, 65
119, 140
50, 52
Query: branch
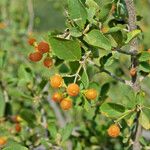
134, 43
124, 52
134, 63
82, 63
113, 76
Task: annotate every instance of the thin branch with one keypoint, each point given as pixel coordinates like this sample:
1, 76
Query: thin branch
124, 52
113, 76
134, 62
82, 63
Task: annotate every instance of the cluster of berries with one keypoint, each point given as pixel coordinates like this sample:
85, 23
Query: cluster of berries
40, 49
16, 119
16, 129
72, 90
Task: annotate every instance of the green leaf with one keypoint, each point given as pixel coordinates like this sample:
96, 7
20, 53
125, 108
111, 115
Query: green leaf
144, 66
104, 12
144, 56
85, 79
75, 32
92, 4
2, 104
66, 132
28, 116
132, 35
77, 12
68, 50
25, 75
52, 129
97, 39
15, 146
86, 105
114, 29
104, 59
109, 62
144, 120
112, 110
3, 57
104, 89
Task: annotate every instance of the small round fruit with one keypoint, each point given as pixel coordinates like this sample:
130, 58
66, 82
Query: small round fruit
3, 141
48, 62
73, 89
148, 50
18, 127
105, 29
56, 81
113, 130
36, 56
43, 47
66, 104
57, 97
31, 41
133, 72
91, 94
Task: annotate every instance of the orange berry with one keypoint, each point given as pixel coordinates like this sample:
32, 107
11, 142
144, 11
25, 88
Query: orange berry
56, 81
36, 56
18, 127
133, 71
105, 29
43, 47
3, 141
57, 97
91, 94
31, 41
66, 104
73, 89
113, 130
148, 50
48, 62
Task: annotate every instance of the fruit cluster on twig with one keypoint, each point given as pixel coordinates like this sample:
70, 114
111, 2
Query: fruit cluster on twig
40, 49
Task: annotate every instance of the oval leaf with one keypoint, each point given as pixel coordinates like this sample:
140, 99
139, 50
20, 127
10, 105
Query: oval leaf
66, 49
112, 110
97, 39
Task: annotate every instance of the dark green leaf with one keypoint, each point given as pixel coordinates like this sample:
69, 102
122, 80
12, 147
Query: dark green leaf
66, 49
144, 56
28, 116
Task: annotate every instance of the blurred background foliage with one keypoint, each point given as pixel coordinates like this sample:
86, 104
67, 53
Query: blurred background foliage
22, 82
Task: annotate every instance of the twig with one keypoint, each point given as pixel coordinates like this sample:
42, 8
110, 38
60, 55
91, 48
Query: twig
134, 63
31, 15
123, 52
112, 75
82, 63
